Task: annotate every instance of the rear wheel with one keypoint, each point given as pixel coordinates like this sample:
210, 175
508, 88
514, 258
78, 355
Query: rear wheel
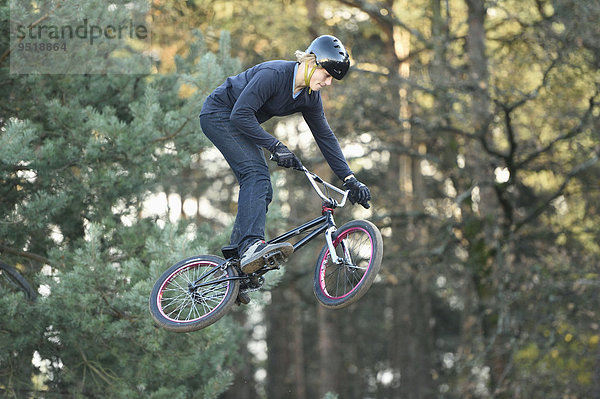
193, 294
360, 246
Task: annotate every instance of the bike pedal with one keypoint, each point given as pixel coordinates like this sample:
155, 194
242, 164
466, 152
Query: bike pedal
272, 266
274, 260
274, 256
269, 255
242, 299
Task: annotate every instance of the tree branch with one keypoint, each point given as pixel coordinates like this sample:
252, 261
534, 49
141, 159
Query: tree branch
23, 254
574, 172
32, 25
570, 134
374, 11
175, 133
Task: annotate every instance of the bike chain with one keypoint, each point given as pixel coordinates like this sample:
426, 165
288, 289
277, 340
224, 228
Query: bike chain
256, 285
273, 261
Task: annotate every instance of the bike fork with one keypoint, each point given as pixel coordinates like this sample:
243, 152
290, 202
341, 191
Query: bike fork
328, 237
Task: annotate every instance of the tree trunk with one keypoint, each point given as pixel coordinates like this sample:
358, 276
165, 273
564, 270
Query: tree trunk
473, 338
478, 67
311, 8
330, 362
243, 386
412, 335
297, 346
279, 383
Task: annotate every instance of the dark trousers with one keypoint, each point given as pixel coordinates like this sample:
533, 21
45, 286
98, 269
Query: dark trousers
249, 165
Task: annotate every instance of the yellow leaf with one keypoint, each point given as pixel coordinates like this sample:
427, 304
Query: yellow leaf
568, 337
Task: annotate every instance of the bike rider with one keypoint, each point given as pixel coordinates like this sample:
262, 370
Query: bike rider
231, 118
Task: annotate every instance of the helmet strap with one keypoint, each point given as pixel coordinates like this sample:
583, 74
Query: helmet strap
308, 76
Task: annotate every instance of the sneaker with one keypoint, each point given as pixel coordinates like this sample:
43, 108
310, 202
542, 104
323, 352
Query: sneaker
254, 257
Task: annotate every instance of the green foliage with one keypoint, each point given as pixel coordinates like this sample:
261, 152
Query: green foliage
79, 154
483, 168
99, 337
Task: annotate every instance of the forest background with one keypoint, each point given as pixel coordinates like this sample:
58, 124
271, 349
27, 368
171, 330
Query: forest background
475, 123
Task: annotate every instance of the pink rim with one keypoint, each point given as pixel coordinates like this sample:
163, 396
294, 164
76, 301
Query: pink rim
325, 259
176, 273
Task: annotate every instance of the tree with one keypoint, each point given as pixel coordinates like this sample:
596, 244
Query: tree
490, 149
473, 123
80, 155
493, 157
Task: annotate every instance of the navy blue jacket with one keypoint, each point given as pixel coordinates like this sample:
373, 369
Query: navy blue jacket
266, 90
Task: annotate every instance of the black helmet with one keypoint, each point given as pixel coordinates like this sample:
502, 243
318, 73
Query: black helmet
331, 55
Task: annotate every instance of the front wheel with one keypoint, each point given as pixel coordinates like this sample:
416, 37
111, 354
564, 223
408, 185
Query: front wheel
360, 246
193, 294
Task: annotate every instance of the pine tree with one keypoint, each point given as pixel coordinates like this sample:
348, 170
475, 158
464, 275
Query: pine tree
79, 154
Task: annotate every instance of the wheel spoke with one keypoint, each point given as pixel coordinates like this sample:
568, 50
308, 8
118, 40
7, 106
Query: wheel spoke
355, 249
181, 302
179, 306
358, 249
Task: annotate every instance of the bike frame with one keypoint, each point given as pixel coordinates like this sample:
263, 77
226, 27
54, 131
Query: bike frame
322, 224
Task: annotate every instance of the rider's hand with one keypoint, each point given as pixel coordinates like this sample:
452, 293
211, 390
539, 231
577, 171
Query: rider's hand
358, 192
284, 157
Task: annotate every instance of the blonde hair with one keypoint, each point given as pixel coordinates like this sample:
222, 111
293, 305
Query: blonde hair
309, 58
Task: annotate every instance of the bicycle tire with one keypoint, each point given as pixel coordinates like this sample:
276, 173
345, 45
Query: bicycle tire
176, 308
337, 286
15, 279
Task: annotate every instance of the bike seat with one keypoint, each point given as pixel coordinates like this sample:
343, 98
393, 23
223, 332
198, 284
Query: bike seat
230, 251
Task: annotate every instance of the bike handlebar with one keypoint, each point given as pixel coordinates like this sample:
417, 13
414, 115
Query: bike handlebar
314, 179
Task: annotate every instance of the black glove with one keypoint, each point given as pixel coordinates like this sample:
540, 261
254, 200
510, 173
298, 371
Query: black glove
358, 192
284, 157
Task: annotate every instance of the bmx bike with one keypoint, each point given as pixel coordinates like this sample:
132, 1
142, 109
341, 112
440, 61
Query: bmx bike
198, 291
